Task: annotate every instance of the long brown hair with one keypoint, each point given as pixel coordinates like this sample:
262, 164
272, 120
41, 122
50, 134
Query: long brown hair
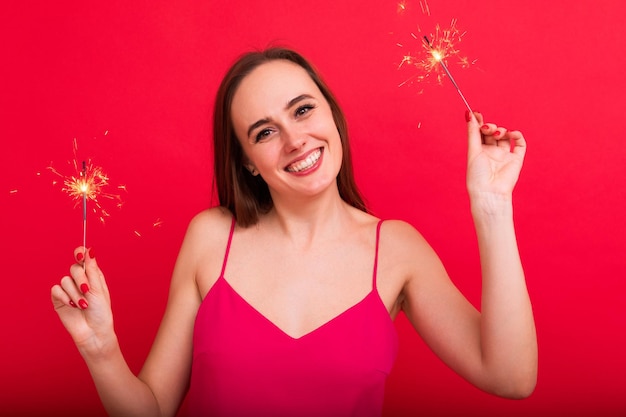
248, 196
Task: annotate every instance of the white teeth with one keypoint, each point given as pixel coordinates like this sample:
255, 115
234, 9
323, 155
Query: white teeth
306, 163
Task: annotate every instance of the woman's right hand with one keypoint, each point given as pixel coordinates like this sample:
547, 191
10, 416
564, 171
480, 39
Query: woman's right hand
83, 304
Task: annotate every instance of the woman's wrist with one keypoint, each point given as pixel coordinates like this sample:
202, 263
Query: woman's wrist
99, 349
487, 206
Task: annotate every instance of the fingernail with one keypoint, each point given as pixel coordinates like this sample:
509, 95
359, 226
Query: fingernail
91, 255
84, 288
496, 133
72, 303
82, 303
468, 116
80, 256
486, 127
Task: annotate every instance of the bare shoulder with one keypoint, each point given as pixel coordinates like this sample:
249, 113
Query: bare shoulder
207, 233
209, 227
401, 237
214, 217
405, 253
204, 246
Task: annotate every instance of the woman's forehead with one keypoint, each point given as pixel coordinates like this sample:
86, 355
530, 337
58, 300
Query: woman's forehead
275, 82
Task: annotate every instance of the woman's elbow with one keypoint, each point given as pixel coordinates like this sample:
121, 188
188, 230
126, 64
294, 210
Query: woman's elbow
516, 388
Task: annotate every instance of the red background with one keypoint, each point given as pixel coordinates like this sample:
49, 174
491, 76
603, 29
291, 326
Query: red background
134, 83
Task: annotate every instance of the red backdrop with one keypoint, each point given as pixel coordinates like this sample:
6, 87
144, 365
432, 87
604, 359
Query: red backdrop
134, 82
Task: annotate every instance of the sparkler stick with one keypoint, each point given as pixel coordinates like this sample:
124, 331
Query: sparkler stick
438, 56
84, 187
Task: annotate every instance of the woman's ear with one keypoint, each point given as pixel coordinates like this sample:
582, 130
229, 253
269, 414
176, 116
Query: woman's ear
252, 169
249, 166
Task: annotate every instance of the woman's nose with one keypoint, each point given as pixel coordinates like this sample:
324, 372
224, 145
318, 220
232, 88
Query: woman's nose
293, 138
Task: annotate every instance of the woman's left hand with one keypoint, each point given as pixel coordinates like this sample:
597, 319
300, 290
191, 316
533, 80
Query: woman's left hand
494, 160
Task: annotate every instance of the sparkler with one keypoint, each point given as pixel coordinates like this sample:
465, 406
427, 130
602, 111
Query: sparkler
435, 54
439, 56
87, 185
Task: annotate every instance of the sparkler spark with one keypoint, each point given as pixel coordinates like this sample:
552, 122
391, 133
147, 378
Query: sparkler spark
87, 184
438, 56
434, 55
432, 61
402, 6
155, 225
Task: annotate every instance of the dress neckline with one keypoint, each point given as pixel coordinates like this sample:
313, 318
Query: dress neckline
311, 333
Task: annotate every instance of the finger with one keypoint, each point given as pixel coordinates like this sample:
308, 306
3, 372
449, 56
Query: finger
488, 131
85, 276
502, 139
474, 137
518, 142
78, 270
479, 117
68, 285
60, 298
94, 273
79, 254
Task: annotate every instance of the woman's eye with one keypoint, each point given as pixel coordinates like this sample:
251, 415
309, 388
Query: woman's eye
262, 134
302, 110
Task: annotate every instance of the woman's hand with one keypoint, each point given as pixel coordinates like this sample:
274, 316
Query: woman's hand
83, 304
494, 160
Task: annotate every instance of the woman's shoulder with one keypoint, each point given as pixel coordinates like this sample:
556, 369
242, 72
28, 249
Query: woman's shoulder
212, 217
399, 228
401, 236
210, 225
393, 231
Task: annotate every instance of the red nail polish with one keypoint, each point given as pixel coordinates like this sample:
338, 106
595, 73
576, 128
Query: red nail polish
486, 127
496, 133
79, 256
82, 303
72, 303
84, 288
91, 255
468, 116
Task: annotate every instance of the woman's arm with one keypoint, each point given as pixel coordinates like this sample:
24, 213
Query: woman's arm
495, 349
163, 380
91, 328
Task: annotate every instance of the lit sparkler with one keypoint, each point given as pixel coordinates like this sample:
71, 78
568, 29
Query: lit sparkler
435, 53
87, 184
439, 56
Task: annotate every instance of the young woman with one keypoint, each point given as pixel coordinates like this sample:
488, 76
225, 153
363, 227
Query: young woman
282, 299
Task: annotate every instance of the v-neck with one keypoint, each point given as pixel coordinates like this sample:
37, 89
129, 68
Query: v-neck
222, 281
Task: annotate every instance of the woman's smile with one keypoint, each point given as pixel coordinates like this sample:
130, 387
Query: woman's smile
307, 163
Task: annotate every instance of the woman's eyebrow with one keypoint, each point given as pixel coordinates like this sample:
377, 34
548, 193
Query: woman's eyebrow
290, 104
256, 124
298, 99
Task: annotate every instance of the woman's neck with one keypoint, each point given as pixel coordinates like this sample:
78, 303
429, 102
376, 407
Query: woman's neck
305, 222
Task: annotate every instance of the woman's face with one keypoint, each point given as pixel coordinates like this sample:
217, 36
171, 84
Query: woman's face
286, 129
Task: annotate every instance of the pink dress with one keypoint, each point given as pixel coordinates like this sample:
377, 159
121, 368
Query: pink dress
244, 365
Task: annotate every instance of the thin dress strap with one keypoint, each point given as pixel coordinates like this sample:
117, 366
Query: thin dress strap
230, 238
380, 222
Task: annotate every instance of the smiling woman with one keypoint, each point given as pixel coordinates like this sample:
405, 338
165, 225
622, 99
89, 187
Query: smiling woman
232, 179
289, 134
283, 298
